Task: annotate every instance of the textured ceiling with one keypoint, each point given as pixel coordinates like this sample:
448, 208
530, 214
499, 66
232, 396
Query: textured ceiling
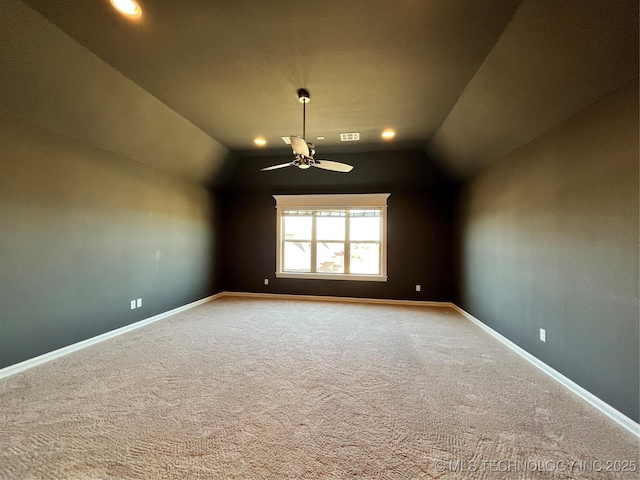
469, 80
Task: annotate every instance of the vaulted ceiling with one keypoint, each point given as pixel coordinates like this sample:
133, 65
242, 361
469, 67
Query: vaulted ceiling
466, 80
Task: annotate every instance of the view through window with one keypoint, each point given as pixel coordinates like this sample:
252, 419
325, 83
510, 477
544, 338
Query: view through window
343, 239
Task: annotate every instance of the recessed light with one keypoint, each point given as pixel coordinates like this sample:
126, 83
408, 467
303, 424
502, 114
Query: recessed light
260, 141
388, 133
127, 7
320, 138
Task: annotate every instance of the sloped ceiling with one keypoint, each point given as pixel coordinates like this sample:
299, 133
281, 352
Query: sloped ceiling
467, 80
48, 78
552, 60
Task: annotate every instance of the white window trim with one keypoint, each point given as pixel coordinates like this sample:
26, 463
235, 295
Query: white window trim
339, 201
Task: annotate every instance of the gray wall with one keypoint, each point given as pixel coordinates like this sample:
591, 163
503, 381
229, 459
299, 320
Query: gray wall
549, 239
420, 224
89, 221
84, 231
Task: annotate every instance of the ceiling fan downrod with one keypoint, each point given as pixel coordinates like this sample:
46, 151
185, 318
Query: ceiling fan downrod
303, 97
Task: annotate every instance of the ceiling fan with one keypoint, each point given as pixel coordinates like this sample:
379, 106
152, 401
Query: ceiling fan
304, 151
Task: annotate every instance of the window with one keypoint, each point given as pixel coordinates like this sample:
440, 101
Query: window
338, 237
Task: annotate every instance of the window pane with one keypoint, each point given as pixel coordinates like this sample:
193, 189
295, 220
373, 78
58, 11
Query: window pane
297, 257
365, 258
330, 228
330, 257
297, 228
365, 228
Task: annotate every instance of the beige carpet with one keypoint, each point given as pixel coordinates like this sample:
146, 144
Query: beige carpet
277, 389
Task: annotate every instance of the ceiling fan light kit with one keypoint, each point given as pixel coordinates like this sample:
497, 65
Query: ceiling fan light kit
304, 151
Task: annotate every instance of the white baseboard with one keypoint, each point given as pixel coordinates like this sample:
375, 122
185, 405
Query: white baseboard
321, 298
47, 357
587, 396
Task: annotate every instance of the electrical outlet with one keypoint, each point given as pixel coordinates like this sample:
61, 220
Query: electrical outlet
133, 304
266, 281
418, 288
139, 303
543, 335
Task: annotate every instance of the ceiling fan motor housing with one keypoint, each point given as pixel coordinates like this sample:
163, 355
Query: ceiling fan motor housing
303, 162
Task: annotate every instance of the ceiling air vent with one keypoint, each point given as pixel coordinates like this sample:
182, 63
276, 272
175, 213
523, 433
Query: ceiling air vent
349, 137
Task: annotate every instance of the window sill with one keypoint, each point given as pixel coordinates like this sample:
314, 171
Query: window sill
333, 276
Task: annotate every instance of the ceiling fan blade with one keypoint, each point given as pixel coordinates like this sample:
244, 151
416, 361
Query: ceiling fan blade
274, 167
333, 166
299, 146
